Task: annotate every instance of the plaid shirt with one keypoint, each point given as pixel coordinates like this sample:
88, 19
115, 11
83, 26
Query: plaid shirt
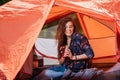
79, 45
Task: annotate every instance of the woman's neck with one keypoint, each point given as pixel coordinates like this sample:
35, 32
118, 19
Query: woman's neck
68, 41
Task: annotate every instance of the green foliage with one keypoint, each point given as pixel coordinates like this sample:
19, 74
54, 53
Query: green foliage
49, 29
3, 2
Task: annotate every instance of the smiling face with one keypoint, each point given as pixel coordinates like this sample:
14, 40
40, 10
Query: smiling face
69, 28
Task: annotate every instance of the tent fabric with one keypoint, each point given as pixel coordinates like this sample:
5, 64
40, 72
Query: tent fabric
49, 51
105, 10
20, 24
96, 29
99, 9
22, 20
103, 47
108, 10
57, 12
27, 66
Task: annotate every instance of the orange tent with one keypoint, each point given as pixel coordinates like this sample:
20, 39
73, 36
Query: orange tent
22, 20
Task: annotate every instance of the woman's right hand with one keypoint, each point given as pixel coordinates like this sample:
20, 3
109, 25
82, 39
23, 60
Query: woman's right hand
66, 52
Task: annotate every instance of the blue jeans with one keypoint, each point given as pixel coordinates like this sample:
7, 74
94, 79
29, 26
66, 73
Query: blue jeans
54, 73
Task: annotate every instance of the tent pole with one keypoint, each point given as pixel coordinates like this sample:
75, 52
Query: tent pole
80, 18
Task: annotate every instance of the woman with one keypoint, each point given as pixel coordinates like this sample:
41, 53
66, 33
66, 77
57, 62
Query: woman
74, 52
78, 51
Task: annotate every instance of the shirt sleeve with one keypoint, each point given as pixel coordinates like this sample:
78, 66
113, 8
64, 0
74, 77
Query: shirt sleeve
86, 47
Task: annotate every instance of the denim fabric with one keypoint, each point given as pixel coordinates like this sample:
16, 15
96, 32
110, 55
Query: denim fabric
58, 68
54, 73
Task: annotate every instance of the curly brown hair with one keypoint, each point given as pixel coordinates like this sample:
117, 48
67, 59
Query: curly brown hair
60, 35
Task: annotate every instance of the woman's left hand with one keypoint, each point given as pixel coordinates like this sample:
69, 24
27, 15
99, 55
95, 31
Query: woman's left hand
70, 55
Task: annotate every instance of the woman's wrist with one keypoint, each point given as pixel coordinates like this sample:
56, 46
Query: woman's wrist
74, 58
62, 57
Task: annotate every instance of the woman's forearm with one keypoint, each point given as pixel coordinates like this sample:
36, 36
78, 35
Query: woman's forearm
61, 60
80, 57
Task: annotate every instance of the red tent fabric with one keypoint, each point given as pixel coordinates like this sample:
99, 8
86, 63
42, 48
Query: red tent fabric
20, 24
21, 21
